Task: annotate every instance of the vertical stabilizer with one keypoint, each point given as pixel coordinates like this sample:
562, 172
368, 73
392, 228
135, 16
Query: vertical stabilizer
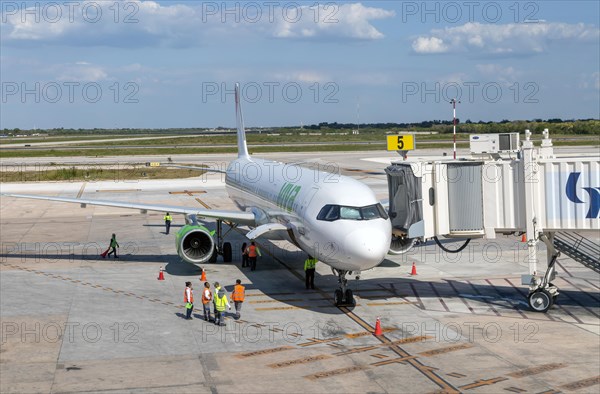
241, 132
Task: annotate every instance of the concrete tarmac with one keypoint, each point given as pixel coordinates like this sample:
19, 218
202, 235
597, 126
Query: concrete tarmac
74, 322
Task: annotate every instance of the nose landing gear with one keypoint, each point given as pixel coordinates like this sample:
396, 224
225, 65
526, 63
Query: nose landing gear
343, 296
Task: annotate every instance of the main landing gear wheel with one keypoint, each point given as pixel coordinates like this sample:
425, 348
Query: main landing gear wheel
541, 300
338, 297
349, 298
343, 296
227, 253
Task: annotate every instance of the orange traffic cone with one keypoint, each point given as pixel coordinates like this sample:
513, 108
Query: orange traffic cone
161, 275
524, 238
414, 269
378, 331
203, 277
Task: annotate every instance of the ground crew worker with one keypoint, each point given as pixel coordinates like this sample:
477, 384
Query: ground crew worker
253, 252
168, 219
237, 297
244, 255
206, 299
309, 269
188, 298
113, 245
220, 300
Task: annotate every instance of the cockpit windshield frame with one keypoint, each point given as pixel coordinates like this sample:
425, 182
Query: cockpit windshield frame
333, 212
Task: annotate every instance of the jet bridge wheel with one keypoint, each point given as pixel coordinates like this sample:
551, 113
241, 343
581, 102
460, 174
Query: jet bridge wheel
541, 300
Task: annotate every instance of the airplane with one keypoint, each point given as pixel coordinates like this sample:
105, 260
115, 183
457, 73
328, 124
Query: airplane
334, 218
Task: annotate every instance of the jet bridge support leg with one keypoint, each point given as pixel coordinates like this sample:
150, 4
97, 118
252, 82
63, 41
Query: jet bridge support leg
542, 293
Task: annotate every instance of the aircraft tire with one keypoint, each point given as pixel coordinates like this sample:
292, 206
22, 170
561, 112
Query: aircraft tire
338, 297
227, 254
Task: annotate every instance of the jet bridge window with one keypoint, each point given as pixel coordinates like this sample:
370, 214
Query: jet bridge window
332, 212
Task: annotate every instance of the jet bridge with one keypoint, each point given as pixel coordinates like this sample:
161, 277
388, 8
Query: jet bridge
504, 188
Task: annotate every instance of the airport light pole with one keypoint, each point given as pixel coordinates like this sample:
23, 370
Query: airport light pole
453, 102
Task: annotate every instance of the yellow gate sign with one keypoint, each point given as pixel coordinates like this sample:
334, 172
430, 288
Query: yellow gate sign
401, 142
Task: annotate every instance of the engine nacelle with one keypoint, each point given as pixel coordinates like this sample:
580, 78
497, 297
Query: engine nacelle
401, 245
195, 244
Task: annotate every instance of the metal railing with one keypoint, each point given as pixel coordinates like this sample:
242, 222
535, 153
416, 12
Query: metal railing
579, 249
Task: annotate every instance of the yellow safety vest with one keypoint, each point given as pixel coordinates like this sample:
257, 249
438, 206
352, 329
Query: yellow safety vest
310, 263
168, 217
220, 302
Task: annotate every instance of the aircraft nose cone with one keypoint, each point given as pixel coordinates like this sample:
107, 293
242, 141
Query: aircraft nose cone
368, 246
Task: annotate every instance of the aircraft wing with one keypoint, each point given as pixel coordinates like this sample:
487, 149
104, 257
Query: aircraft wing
246, 218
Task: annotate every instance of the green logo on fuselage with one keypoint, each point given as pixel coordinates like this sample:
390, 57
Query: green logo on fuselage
287, 195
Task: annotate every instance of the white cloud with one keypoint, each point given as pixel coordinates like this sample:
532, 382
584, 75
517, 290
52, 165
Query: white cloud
191, 24
333, 21
305, 76
429, 45
507, 39
498, 71
81, 72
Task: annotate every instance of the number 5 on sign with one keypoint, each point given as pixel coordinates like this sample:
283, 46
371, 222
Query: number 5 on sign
400, 142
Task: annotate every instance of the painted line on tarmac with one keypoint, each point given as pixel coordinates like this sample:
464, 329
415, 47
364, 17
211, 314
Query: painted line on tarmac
189, 192
437, 293
482, 382
512, 302
447, 349
399, 360
456, 375
427, 371
367, 333
316, 341
299, 361
536, 370
580, 384
421, 338
515, 390
460, 298
277, 308
81, 190
334, 372
274, 301
118, 190
265, 351
379, 356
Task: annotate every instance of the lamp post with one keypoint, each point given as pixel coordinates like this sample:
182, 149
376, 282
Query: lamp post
453, 102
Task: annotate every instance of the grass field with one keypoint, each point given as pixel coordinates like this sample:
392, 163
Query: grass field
97, 174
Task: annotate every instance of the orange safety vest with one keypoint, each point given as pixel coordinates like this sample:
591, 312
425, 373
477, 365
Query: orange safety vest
238, 293
204, 299
191, 300
252, 251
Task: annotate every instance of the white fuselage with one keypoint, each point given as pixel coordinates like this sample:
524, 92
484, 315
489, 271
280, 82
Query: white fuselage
294, 196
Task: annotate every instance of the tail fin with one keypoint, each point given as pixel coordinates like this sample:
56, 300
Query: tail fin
241, 132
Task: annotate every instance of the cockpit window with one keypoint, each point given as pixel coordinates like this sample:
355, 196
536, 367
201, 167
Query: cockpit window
332, 212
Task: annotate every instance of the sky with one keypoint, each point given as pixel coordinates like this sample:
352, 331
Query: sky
174, 64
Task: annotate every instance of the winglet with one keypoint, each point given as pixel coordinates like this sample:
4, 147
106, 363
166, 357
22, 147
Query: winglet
241, 132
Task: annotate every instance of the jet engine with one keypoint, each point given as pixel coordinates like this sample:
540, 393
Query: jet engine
195, 244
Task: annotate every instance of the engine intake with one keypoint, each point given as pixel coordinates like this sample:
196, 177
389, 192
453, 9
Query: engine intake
195, 244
